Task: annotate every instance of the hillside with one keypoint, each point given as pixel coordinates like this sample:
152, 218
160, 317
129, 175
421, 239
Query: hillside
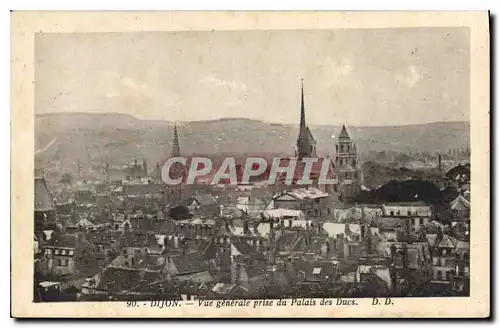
118, 138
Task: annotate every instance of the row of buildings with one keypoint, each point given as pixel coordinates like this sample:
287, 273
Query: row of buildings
142, 239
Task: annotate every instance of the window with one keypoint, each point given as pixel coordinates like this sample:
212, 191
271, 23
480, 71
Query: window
443, 275
448, 275
409, 213
62, 263
63, 252
56, 252
392, 213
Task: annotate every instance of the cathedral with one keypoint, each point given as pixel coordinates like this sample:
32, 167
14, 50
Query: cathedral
345, 165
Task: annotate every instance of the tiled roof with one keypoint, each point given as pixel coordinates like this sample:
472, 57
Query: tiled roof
205, 199
190, 263
281, 213
115, 279
65, 240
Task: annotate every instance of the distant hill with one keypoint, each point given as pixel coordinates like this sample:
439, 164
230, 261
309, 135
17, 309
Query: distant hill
117, 138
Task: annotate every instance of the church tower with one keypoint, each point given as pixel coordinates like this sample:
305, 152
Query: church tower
347, 166
306, 145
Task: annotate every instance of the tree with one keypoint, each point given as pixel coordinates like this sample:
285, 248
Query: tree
179, 212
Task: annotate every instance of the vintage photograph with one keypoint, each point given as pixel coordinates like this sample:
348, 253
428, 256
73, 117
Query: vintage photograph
250, 165
386, 111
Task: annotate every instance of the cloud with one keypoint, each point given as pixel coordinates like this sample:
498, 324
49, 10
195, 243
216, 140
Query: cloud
127, 88
232, 86
336, 70
410, 78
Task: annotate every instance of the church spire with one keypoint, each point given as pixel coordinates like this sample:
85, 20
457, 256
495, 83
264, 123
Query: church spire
176, 149
306, 145
302, 110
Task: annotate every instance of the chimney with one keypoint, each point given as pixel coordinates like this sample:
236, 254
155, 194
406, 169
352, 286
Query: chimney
439, 235
238, 274
346, 251
368, 240
405, 257
347, 230
185, 247
439, 163
393, 253
165, 242
393, 273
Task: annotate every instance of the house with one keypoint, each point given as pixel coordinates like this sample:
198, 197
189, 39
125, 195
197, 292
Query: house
408, 224
316, 278
104, 243
311, 201
459, 174
412, 265
374, 281
409, 209
112, 280
450, 261
357, 213
280, 282
68, 255
460, 279
250, 205
188, 265
282, 216
460, 208
460, 230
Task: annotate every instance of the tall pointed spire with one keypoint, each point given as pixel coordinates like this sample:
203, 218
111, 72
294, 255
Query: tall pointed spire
176, 149
302, 109
306, 145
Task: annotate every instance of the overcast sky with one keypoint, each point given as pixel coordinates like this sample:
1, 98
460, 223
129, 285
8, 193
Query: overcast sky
357, 76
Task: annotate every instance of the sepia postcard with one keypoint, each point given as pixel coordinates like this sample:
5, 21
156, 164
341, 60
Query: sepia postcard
250, 165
